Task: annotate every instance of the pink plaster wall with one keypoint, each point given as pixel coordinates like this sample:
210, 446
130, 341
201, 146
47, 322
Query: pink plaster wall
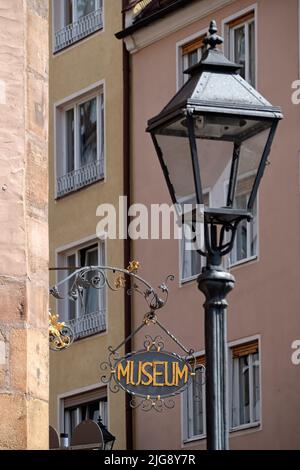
265, 299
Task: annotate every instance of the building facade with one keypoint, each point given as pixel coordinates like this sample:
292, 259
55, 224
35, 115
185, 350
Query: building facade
164, 39
86, 170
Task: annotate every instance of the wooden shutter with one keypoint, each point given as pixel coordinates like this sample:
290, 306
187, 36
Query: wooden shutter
193, 45
245, 349
86, 397
241, 19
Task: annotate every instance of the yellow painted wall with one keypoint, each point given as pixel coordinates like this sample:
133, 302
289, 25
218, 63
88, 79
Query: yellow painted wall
73, 217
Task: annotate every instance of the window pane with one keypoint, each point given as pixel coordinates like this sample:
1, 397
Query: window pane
177, 158
256, 391
191, 259
91, 294
71, 262
198, 418
88, 132
245, 245
68, 12
192, 58
93, 411
253, 232
244, 390
103, 411
70, 421
84, 7
241, 241
240, 48
102, 127
70, 140
252, 53
195, 406
242, 232
83, 410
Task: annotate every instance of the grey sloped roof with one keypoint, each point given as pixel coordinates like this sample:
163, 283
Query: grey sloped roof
216, 86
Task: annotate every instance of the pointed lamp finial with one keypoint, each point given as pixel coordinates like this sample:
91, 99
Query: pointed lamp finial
212, 38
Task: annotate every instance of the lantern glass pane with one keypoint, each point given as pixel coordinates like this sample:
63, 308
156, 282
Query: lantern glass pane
217, 136
215, 158
174, 143
251, 153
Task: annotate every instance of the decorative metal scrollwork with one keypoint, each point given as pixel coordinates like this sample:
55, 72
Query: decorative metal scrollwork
115, 279
100, 277
148, 404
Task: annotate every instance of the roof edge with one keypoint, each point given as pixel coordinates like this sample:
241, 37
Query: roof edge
151, 18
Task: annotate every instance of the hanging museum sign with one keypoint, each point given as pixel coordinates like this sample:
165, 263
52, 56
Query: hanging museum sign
153, 373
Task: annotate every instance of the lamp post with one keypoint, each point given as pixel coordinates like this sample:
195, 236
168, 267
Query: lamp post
213, 140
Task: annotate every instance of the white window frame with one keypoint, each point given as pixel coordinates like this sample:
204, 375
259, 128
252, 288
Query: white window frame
59, 23
101, 261
61, 408
79, 418
76, 109
184, 405
180, 66
75, 11
61, 108
101, 292
185, 280
253, 424
255, 257
187, 416
227, 34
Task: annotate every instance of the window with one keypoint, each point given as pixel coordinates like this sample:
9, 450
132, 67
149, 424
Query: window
244, 392
245, 384
190, 54
191, 260
245, 245
74, 20
88, 405
242, 45
195, 404
80, 143
86, 314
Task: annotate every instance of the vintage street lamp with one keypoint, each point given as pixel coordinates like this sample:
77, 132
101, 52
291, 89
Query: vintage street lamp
213, 140
108, 438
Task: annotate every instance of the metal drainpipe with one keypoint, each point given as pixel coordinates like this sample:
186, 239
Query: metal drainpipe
127, 242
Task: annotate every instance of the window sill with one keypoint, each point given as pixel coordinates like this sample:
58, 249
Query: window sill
243, 427
190, 440
243, 261
189, 279
231, 266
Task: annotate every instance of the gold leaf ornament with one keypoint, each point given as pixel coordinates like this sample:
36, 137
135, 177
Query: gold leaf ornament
133, 266
120, 282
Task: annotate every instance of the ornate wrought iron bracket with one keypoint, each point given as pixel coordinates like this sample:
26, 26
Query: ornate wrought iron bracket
61, 335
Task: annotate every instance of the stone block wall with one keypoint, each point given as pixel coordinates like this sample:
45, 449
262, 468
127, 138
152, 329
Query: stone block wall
24, 224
